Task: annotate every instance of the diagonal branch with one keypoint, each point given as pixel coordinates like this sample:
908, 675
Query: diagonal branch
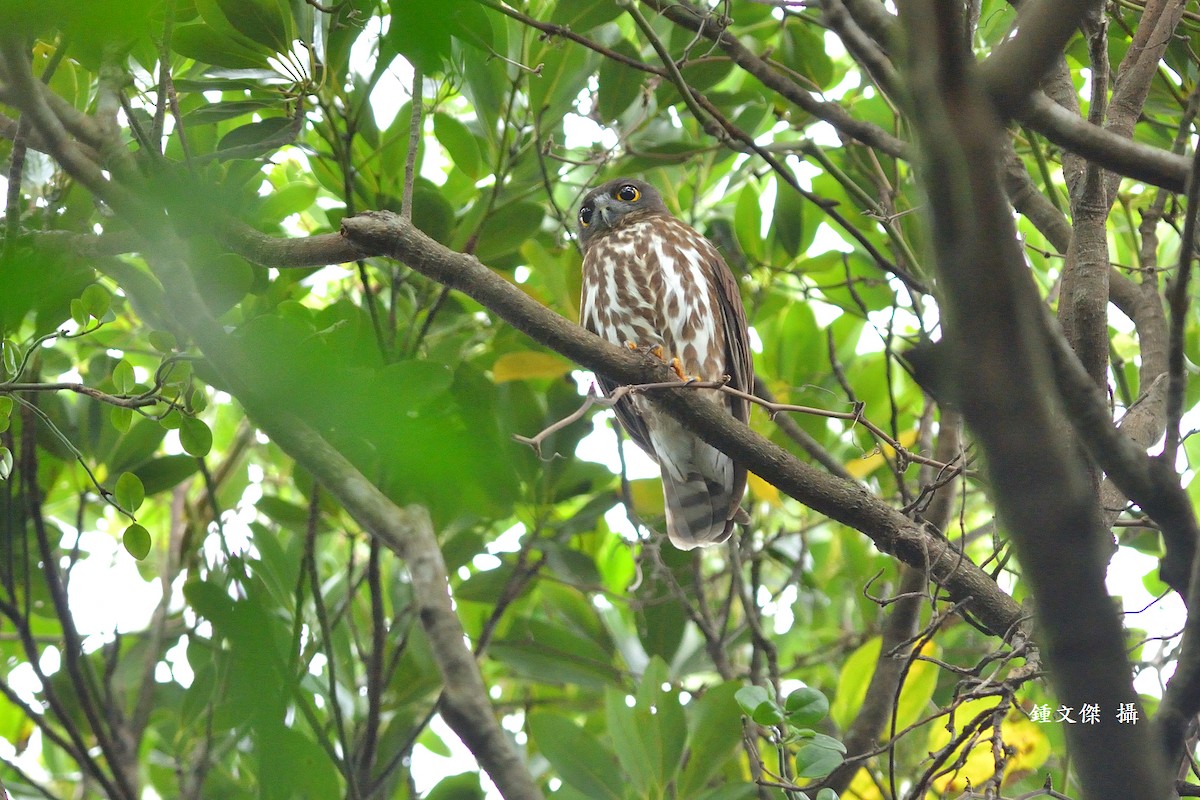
1017, 66
849, 503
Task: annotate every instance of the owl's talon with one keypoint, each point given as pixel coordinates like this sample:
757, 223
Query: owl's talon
657, 352
631, 346
677, 368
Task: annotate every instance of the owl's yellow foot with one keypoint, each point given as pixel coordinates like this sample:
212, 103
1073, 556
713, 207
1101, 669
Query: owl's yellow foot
656, 351
677, 368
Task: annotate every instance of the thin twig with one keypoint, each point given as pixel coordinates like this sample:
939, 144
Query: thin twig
855, 416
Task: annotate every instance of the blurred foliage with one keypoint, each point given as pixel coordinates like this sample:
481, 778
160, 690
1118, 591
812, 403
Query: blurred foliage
283, 657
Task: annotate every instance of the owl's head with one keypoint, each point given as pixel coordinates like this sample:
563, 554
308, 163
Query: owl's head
614, 204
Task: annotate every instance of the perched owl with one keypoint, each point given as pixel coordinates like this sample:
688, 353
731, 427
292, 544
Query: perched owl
652, 282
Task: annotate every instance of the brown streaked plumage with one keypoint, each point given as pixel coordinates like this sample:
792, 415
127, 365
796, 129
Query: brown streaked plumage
652, 281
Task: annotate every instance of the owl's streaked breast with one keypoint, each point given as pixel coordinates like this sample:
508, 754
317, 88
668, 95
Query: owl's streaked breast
647, 284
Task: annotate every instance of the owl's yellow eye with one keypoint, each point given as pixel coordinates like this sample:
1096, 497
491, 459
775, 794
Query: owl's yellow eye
585, 216
628, 193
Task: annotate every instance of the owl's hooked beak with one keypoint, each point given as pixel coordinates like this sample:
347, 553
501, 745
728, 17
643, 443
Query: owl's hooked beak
603, 208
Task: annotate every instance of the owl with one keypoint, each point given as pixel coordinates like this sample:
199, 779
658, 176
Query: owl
652, 282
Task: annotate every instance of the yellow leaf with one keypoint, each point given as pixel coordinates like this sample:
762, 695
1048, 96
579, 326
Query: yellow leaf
863, 787
856, 675
919, 685
1030, 745
762, 491
524, 365
862, 467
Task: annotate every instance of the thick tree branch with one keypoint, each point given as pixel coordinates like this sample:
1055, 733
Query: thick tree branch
991, 313
703, 23
849, 503
1083, 300
1131, 159
1017, 66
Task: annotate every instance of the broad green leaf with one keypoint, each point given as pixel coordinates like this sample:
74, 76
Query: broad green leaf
505, 230
747, 222
293, 198
255, 138
121, 418
805, 707
620, 85
163, 341
714, 732
195, 437
123, 377
129, 492
136, 541
583, 15
460, 143
159, 474
578, 757
853, 681
199, 41
267, 22
96, 300
819, 757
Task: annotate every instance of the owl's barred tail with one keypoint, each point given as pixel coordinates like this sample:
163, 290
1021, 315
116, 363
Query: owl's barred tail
698, 510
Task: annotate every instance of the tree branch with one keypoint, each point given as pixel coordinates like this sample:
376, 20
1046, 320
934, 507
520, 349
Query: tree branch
1131, 159
849, 503
992, 314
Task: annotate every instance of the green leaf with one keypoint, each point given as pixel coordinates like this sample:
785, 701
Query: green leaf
129, 492
460, 143
751, 697
79, 313
505, 230
806, 707
464, 786
759, 704
122, 418
267, 22
620, 84
583, 15
578, 757
626, 727
747, 220
787, 223
123, 377
159, 474
819, 757
200, 42
714, 722
136, 541
729, 791
163, 341
852, 682
195, 437
96, 300
255, 138
294, 198
10, 357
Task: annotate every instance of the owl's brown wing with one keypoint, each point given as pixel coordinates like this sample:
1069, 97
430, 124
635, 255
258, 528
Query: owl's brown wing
739, 362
